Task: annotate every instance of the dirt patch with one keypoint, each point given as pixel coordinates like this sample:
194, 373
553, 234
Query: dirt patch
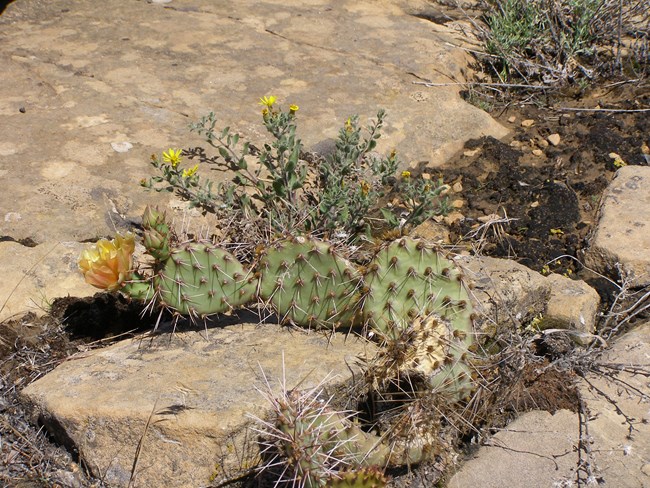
533, 197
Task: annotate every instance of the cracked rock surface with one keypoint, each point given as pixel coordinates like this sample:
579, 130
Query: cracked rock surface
89, 93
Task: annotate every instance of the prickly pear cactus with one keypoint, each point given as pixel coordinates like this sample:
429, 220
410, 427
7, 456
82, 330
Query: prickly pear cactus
308, 284
158, 237
316, 443
202, 279
415, 299
409, 279
359, 478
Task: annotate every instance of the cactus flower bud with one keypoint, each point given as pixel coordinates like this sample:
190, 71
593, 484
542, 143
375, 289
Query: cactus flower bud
151, 218
107, 264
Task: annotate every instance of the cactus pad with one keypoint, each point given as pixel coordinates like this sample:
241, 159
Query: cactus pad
202, 279
308, 284
408, 279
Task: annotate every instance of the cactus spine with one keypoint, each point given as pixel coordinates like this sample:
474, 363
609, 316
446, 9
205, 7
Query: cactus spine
308, 283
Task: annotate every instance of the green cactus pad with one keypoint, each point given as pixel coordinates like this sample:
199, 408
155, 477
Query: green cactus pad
408, 279
202, 279
308, 284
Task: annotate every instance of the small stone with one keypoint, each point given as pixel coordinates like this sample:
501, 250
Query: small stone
515, 144
22, 110
535, 204
554, 139
453, 217
538, 152
527, 123
458, 203
512, 119
121, 147
426, 176
457, 187
471, 152
543, 143
489, 218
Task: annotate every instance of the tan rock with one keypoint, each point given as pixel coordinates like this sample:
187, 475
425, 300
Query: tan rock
527, 123
554, 139
185, 398
432, 231
512, 119
459, 203
84, 89
542, 143
33, 276
471, 152
539, 450
573, 304
538, 152
457, 187
506, 293
621, 240
453, 217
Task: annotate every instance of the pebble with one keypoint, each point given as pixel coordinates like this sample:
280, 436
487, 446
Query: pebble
458, 203
538, 152
527, 123
457, 187
121, 147
512, 119
554, 139
471, 152
543, 143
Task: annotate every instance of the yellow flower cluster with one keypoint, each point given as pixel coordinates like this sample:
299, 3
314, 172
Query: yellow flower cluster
107, 264
173, 156
190, 171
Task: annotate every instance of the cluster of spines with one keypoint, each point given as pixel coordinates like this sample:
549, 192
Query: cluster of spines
307, 283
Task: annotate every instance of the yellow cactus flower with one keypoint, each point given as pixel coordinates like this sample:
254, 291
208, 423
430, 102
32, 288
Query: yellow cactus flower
107, 264
172, 157
191, 171
293, 109
268, 101
406, 175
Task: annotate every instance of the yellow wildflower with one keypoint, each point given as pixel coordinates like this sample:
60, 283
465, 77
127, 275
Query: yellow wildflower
107, 264
268, 101
406, 174
191, 171
173, 157
293, 109
348, 125
365, 188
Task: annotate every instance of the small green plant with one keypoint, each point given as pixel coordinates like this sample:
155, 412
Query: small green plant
294, 191
556, 42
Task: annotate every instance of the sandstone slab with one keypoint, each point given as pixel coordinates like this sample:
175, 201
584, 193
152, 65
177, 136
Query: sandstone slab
620, 244
573, 304
181, 404
89, 93
539, 450
33, 276
504, 291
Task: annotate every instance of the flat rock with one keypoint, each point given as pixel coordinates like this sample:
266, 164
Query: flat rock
620, 244
573, 304
504, 291
78, 79
33, 276
539, 450
185, 399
